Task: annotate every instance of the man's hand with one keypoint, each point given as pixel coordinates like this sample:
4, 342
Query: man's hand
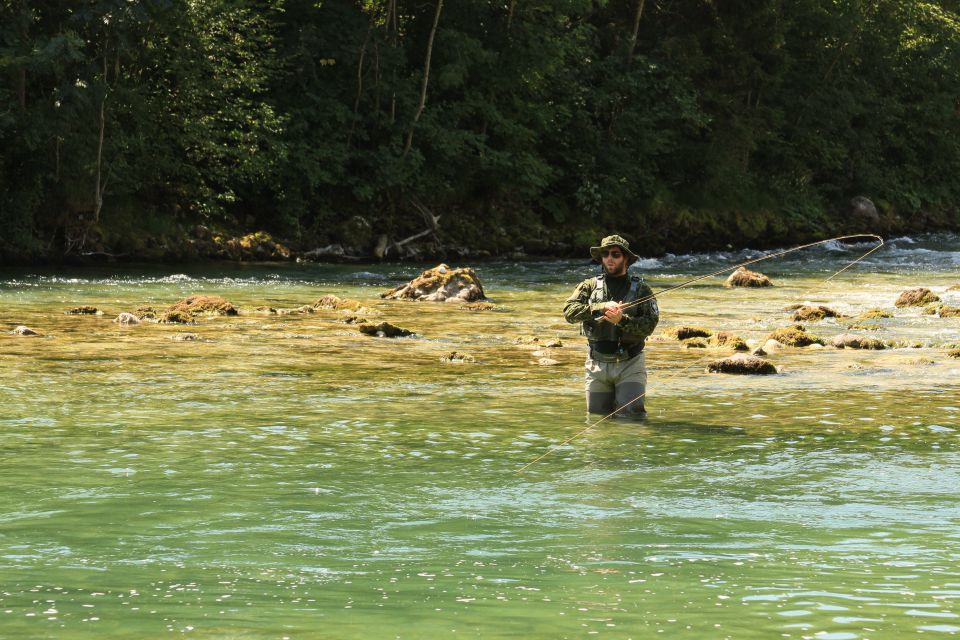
613, 312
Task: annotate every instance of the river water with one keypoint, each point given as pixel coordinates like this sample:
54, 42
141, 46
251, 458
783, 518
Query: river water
283, 476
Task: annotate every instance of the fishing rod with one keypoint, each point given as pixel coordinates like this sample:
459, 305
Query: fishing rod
769, 256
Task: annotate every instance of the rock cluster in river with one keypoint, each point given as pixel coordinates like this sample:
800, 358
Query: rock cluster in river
383, 330
743, 277
916, 298
795, 336
440, 284
812, 313
851, 341
741, 363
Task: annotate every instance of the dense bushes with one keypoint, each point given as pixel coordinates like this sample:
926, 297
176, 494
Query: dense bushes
529, 123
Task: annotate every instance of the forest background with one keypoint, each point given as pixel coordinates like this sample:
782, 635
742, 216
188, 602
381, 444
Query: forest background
174, 129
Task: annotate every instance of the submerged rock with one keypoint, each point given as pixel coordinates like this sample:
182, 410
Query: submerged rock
440, 284
684, 333
873, 314
742, 363
24, 331
185, 337
954, 353
916, 298
537, 342
203, 305
336, 303
729, 340
479, 306
547, 362
808, 313
85, 310
851, 341
305, 309
145, 313
694, 343
743, 277
457, 358
176, 317
795, 336
384, 330
127, 318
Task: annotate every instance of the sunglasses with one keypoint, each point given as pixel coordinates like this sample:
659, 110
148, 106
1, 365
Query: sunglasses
612, 254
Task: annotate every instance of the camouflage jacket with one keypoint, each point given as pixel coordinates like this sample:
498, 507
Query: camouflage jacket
639, 320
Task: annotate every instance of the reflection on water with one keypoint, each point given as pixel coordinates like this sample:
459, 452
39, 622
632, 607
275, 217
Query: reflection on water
284, 476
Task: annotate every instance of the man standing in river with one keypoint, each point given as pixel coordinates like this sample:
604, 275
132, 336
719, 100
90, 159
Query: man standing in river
616, 328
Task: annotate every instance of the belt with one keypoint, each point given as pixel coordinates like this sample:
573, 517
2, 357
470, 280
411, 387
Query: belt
620, 355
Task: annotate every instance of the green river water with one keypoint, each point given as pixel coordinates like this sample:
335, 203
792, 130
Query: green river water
284, 476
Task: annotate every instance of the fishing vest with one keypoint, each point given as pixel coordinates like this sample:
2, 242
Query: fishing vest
595, 330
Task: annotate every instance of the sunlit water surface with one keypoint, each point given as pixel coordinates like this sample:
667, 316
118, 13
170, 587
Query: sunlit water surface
286, 477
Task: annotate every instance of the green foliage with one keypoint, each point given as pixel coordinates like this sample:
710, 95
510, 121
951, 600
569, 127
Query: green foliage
751, 122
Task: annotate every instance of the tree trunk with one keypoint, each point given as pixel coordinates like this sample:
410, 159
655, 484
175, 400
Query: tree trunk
100, 183
513, 5
356, 100
636, 31
426, 79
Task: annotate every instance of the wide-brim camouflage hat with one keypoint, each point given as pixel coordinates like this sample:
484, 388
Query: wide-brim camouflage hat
614, 241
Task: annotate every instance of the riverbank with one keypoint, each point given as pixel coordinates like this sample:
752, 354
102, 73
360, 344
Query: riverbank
365, 239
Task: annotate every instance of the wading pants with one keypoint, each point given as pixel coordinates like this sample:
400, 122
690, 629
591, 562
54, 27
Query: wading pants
612, 385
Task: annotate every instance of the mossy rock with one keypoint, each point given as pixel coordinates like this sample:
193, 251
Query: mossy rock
305, 309
684, 333
916, 298
178, 316
197, 305
808, 313
127, 318
954, 353
865, 326
949, 312
478, 306
85, 310
145, 313
742, 364
455, 357
874, 314
694, 343
266, 310
729, 340
955, 287
440, 284
743, 277
794, 336
851, 341
337, 304
384, 330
